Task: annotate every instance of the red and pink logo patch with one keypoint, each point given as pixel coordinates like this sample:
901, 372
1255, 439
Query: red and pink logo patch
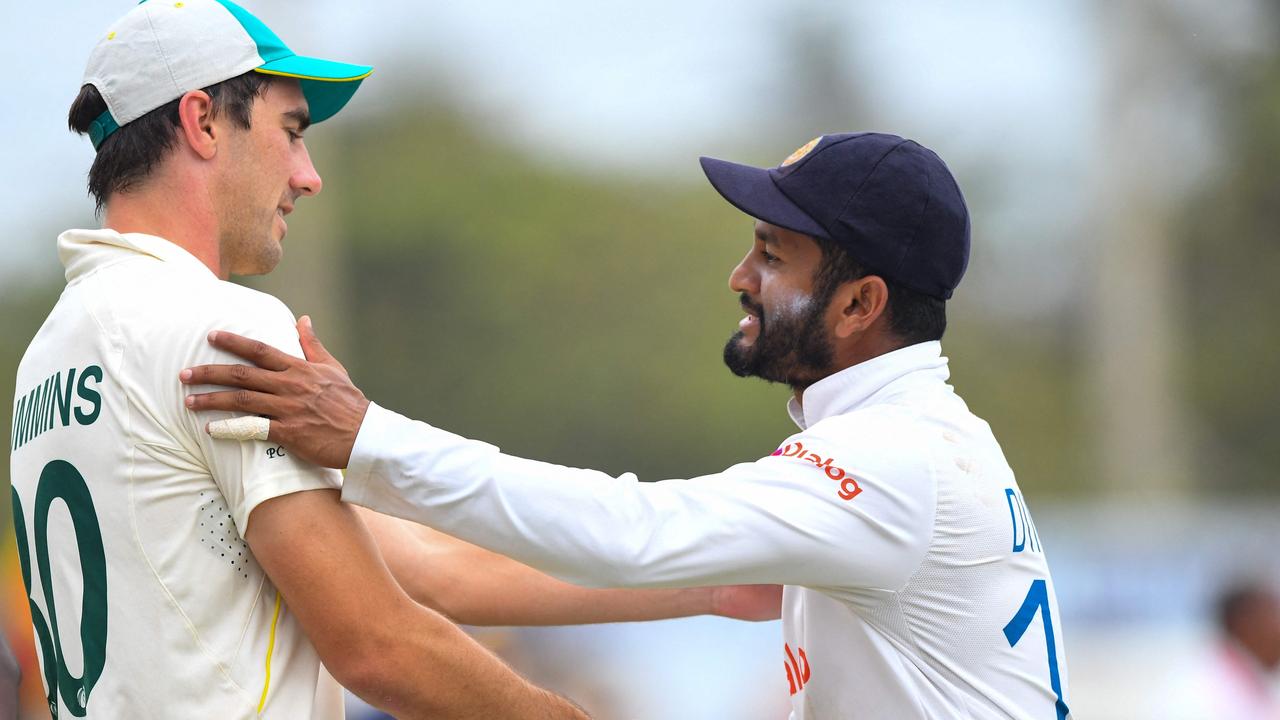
849, 487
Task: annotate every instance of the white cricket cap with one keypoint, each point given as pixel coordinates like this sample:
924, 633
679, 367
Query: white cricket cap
163, 49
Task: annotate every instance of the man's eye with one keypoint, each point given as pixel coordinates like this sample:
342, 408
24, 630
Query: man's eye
294, 135
768, 256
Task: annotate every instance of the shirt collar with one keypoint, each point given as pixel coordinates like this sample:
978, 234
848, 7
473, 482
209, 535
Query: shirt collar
83, 251
873, 379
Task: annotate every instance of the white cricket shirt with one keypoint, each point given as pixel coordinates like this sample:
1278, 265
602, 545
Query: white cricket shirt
146, 601
916, 585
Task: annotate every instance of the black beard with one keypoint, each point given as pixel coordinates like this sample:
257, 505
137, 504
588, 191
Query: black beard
792, 349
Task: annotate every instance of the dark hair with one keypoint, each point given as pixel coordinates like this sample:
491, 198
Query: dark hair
129, 155
913, 316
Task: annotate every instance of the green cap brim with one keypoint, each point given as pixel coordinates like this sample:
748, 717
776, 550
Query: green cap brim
327, 85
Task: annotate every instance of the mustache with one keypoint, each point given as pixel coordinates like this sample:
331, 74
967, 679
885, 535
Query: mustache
745, 301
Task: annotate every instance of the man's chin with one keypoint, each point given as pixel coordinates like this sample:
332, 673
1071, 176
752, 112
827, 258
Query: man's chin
738, 355
262, 263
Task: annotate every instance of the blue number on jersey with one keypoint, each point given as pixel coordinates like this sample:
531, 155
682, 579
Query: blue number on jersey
1038, 599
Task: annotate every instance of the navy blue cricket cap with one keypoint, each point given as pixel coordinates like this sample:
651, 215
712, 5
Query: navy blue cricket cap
890, 202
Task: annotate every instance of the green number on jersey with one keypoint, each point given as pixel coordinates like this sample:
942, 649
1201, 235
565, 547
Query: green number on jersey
60, 479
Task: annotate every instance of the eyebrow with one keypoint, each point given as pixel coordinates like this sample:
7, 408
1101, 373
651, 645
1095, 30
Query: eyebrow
768, 238
300, 116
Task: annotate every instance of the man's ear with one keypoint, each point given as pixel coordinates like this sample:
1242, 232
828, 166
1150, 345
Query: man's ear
195, 113
861, 303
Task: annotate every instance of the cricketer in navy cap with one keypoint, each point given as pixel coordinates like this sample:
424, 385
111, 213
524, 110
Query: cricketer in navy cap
916, 586
867, 207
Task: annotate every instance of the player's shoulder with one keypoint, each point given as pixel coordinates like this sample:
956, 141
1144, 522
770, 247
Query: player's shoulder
244, 311
184, 282
878, 439
247, 305
165, 308
878, 425
198, 294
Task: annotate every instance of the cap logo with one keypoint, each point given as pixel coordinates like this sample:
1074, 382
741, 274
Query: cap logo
799, 154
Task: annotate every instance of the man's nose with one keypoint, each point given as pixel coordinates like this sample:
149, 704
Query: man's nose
743, 280
306, 180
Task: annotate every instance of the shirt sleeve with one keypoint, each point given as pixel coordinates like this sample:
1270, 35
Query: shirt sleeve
249, 473
811, 514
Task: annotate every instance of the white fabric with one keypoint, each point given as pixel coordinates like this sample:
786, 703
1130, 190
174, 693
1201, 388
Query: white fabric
162, 49
897, 597
189, 611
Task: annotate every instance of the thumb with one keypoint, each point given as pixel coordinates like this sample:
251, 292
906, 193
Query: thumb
312, 348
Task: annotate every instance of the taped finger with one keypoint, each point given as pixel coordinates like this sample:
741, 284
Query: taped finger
245, 428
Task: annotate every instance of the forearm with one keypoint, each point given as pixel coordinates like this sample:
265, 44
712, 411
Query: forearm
566, 604
445, 674
533, 598
374, 639
474, 586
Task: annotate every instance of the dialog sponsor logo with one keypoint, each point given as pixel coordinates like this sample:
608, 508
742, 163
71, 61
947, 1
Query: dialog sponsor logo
849, 488
798, 673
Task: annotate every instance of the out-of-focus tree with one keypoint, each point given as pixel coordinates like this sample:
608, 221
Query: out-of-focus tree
1134, 329
1229, 234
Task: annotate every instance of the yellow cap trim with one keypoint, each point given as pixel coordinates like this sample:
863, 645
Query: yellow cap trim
309, 77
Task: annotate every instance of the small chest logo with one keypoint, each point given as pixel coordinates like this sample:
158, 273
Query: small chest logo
797, 665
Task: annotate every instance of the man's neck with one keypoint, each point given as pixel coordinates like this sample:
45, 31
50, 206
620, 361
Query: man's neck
850, 355
178, 217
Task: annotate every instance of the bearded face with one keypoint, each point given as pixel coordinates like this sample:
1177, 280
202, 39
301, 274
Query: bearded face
785, 341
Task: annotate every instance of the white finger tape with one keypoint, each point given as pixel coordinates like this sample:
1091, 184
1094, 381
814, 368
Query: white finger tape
241, 428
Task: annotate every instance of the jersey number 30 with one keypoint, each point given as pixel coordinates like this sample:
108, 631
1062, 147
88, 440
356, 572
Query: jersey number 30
61, 480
